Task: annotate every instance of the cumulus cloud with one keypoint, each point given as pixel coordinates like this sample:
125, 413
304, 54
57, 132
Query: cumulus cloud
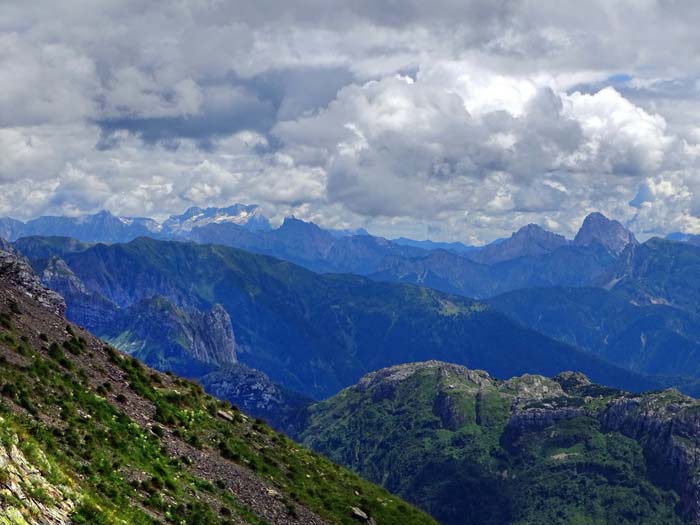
458, 120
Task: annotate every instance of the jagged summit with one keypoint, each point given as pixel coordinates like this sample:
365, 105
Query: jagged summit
17, 271
610, 233
524, 387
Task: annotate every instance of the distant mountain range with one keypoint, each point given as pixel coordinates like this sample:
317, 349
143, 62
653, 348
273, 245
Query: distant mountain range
354, 251
531, 257
108, 228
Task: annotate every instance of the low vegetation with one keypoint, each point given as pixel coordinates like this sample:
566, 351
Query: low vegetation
139, 447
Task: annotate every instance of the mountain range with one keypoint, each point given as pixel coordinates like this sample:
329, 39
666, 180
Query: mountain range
244, 226
530, 257
311, 333
524, 276
311, 330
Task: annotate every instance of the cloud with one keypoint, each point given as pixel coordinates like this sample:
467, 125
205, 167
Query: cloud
456, 119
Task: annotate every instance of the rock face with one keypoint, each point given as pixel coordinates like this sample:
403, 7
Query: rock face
526, 450
170, 338
19, 272
609, 233
188, 341
88, 308
256, 394
669, 424
26, 496
528, 240
212, 337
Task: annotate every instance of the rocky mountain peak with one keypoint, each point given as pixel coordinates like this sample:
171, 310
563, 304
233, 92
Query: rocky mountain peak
247, 215
398, 373
528, 240
610, 233
544, 238
572, 380
16, 271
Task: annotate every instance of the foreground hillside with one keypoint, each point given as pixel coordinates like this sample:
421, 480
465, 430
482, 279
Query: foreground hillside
474, 450
312, 333
90, 436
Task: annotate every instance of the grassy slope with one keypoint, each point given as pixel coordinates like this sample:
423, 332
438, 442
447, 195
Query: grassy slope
138, 447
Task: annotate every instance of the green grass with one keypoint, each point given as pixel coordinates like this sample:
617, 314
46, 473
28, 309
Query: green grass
121, 470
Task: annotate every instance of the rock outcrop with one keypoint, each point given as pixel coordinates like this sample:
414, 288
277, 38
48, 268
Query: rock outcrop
27, 497
17, 271
171, 338
256, 394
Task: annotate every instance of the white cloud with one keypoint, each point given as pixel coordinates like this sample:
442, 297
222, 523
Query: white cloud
459, 119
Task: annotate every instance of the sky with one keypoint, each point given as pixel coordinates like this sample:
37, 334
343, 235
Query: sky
453, 120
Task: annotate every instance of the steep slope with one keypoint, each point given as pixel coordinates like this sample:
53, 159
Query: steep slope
92, 434
651, 339
474, 450
660, 272
316, 334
